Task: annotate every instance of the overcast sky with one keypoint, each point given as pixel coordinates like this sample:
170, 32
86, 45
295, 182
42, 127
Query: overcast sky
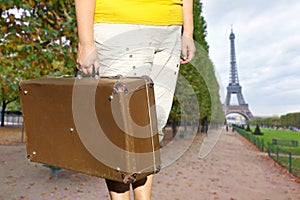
267, 42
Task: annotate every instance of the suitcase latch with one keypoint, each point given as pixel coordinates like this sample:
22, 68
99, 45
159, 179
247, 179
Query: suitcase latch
130, 178
120, 88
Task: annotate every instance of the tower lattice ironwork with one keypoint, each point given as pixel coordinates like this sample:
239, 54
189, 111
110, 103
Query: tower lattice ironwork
234, 87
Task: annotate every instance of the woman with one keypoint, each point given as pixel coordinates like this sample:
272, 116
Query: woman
136, 38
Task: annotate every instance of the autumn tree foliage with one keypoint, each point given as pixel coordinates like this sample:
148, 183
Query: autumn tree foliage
39, 37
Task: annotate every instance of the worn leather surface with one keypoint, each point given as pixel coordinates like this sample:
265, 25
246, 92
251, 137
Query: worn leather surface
104, 127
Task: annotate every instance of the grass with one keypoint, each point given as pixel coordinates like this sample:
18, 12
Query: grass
284, 161
268, 135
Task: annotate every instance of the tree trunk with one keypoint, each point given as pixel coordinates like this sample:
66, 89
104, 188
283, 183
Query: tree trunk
3, 112
4, 103
174, 128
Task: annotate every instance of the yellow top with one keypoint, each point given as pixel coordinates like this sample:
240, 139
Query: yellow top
149, 12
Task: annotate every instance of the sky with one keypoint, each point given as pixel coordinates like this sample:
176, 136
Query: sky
267, 43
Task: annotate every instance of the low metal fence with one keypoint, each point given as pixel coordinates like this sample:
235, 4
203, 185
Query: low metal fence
275, 151
12, 118
285, 158
256, 140
285, 142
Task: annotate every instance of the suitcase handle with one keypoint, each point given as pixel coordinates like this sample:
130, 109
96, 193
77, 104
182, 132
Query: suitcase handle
80, 74
95, 74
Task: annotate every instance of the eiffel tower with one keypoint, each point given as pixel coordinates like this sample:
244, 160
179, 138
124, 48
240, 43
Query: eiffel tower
234, 87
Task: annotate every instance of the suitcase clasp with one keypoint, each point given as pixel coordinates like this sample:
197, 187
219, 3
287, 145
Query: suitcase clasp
130, 178
120, 87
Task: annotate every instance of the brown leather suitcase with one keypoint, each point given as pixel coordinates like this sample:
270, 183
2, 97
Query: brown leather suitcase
103, 127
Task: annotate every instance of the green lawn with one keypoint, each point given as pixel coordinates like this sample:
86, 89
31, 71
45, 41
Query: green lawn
269, 134
284, 161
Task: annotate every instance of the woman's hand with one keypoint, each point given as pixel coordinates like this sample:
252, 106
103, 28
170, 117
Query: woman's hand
87, 58
188, 49
87, 54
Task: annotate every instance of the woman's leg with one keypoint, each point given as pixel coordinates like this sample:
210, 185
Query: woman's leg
117, 190
142, 188
165, 71
121, 191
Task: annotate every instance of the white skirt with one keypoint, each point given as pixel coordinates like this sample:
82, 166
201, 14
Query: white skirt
137, 50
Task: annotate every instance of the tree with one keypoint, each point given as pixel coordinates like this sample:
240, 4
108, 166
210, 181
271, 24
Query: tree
248, 128
200, 75
257, 130
290, 120
37, 38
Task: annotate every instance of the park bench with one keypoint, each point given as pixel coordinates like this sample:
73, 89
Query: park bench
285, 142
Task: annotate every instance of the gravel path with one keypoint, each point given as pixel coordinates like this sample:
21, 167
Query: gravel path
233, 170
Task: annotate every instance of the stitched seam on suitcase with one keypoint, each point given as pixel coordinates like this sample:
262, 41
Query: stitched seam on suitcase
151, 126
